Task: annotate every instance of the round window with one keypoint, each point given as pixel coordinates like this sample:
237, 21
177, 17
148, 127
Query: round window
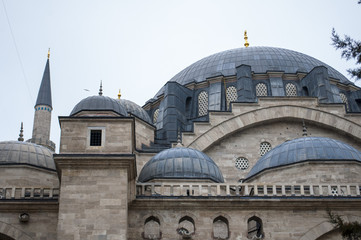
241, 163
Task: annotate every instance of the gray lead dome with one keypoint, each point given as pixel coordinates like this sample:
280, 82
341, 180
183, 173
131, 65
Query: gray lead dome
135, 109
261, 60
23, 153
181, 163
305, 149
99, 103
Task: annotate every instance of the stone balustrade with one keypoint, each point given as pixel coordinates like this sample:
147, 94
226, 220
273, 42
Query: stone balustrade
246, 190
13, 193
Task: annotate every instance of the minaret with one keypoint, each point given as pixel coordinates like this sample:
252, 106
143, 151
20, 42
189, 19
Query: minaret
43, 108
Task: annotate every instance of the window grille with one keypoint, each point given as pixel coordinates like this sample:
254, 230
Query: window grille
231, 95
344, 100
261, 90
95, 137
291, 90
155, 115
202, 103
242, 163
264, 147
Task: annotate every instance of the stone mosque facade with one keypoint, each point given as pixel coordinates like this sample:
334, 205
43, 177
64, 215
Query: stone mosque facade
248, 143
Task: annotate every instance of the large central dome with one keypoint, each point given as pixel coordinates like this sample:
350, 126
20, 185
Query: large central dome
261, 59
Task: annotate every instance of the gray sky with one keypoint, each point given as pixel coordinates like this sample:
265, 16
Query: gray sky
139, 45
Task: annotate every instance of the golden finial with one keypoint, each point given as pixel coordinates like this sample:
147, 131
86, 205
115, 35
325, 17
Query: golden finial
246, 44
48, 53
119, 95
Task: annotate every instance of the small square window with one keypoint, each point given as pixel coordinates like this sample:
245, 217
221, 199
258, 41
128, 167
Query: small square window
95, 137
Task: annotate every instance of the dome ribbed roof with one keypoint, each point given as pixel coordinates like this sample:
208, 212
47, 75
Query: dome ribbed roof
96, 103
180, 163
18, 153
305, 149
261, 60
135, 109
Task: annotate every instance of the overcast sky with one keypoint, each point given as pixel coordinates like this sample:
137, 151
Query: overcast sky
139, 45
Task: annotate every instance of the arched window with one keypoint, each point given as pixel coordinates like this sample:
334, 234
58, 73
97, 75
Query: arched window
264, 147
155, 116
202, 103
231, 95
344, 100
152, 228
186, 227
305, 91
220, 228
261, 90
255, 228
188, 107
291, 90
241, 163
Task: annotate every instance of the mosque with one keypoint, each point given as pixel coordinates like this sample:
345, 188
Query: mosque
248, 143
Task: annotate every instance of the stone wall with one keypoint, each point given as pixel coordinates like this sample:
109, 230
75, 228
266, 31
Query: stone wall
26, 176
281, 224
41, 226
117, 134
144, 133
93, 204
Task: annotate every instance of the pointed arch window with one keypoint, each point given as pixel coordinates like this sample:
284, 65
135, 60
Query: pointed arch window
186, 227
264, 148
152, 228
220, 228
155, 116
261, 90
344, 100
291, 90
202, 103
231, 95
255, 228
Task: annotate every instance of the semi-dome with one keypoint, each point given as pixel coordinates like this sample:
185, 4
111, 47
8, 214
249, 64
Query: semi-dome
181, 163
24, 153
135, 109
99, 103
305, 149
261, 60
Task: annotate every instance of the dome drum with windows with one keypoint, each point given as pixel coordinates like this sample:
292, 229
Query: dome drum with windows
245, 75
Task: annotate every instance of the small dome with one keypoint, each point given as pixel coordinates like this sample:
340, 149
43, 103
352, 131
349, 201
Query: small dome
24, 153
135, 109
305, 149
181, 163
99, 103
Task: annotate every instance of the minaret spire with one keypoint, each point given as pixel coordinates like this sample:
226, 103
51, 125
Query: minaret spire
43, 108
21, 135
44, 95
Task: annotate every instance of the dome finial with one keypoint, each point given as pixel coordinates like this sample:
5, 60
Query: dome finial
21, 139
101, 89
48, 53
246, 44
304, 128
119, 95
179, 141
